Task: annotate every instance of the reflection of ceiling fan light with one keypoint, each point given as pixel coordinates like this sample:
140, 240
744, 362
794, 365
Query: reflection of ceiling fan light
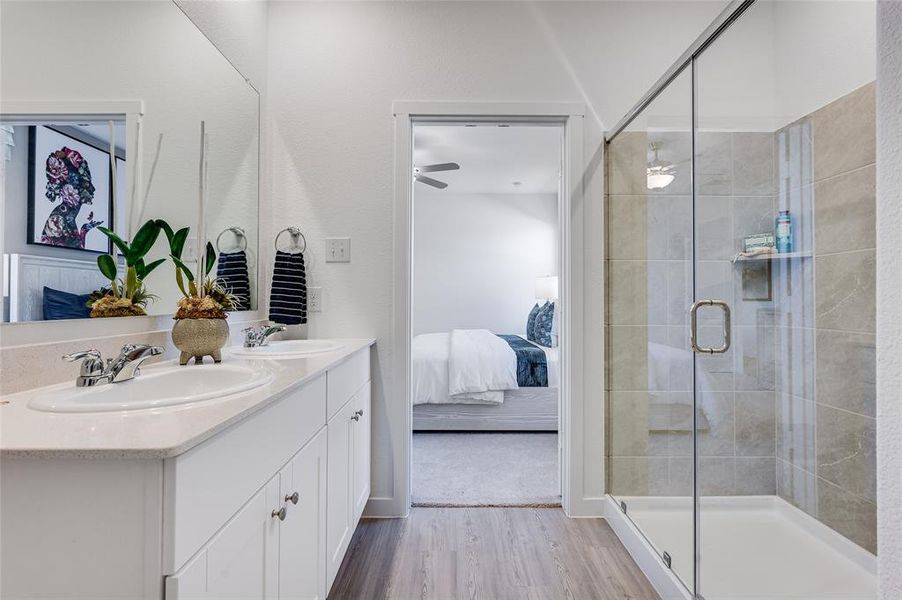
659, 174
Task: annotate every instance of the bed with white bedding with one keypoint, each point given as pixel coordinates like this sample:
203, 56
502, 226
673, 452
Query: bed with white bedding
467, 380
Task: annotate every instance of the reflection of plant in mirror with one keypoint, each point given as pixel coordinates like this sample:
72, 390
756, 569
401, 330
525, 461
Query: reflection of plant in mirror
204, 297
127, 296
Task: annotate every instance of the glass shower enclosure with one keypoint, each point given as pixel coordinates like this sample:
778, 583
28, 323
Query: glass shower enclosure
740, 307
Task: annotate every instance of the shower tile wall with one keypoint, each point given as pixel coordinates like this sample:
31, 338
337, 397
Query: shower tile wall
826, 415
796, 390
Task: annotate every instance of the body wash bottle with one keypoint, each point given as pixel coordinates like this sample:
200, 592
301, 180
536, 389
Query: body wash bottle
783, 232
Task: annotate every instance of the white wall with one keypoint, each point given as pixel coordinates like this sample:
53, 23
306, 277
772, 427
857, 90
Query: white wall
781, 48
889, 298
476, 258
336, 67
238, 29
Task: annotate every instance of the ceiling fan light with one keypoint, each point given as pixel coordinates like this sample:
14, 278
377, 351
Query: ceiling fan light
659, 174
658, 180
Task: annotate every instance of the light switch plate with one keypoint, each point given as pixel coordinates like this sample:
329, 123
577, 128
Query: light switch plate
315, 299
338, 249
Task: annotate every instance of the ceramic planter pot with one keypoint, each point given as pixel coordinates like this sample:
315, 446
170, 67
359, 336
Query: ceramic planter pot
197, 338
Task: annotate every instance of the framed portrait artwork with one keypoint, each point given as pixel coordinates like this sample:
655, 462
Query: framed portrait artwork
69, 191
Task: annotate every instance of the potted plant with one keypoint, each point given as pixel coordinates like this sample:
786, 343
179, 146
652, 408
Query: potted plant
128, 296
200, 322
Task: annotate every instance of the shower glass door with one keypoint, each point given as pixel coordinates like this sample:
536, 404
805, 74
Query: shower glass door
740, 261
650, 377
784, 164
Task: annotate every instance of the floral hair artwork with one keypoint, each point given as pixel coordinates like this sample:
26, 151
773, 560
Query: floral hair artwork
69, 183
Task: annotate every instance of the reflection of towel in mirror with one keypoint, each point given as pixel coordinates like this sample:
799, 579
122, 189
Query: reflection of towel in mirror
231, 271
288, 298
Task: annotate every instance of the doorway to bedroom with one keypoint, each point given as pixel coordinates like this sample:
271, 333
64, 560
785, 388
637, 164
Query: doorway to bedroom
485, 348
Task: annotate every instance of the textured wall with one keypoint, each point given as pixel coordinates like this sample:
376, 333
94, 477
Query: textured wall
334, 70
889, 297
238, 29
476, 258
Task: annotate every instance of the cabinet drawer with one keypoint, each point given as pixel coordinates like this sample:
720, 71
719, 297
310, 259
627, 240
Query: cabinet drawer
241, 561
346, 378
205, 486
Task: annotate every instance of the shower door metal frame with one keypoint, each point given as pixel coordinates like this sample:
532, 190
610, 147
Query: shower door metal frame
688, 59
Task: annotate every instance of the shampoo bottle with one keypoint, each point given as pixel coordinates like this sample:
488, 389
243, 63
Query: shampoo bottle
783, 232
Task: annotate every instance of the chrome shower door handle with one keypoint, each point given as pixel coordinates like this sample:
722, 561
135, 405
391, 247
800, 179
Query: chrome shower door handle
693, 327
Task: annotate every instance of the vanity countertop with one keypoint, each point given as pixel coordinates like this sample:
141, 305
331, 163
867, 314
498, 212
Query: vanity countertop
153, 433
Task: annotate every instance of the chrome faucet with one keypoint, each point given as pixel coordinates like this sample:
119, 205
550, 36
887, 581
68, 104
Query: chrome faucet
255, 337
96, 371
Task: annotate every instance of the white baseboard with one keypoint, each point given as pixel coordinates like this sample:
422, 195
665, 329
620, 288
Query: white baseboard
587, 508
385, 508
661, 578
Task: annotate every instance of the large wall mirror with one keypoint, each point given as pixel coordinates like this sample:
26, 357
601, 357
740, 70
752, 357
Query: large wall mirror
101, 105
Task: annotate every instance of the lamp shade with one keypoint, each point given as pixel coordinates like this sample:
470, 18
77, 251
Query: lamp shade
546, 287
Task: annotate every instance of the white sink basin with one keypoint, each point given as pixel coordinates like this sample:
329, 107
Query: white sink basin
289, 349
154, 388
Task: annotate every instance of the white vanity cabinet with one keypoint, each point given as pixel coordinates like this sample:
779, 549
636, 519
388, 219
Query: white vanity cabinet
348, 477
296, 557
263, 508
273, 547
242, 561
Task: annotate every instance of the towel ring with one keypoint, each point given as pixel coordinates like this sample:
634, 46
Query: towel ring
295, 233
239, 235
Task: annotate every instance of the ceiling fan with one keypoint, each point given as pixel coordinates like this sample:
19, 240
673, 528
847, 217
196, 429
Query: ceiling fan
418, 173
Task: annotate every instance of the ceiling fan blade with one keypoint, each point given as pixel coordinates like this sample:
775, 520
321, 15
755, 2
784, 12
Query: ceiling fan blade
433, 182
439, 167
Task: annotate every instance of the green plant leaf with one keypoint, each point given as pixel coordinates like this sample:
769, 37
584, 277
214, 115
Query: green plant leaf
179, 239
211, 258
180, 281
167, 229
131, 282
107, 266
150, 267
143, 242
139, 268
183, 267
118, 241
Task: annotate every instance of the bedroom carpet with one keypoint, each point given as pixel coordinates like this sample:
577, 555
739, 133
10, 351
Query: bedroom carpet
485, 469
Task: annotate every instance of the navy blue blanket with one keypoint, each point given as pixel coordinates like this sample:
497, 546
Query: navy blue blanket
532, 367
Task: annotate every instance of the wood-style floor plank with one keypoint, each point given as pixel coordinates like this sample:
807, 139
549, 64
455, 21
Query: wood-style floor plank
489, 554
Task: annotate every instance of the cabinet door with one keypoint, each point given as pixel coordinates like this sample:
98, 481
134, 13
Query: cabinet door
361, 445
241, 561
340, 488
302, 535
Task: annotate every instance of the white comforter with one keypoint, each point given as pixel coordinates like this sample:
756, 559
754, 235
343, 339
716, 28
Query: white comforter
467, 366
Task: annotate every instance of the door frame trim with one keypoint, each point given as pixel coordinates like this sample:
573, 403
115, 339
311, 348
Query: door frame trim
575, 476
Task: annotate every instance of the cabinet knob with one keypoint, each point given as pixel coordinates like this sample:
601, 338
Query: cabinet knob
281, 513
293, 498
359, 413
355, 417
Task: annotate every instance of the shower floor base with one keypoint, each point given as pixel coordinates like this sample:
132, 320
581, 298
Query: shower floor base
752, 547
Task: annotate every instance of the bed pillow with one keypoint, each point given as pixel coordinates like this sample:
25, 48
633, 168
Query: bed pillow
544, 322
64, 305
531, 322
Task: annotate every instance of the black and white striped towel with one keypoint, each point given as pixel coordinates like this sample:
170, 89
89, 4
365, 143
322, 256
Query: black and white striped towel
231, 271
288, 298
